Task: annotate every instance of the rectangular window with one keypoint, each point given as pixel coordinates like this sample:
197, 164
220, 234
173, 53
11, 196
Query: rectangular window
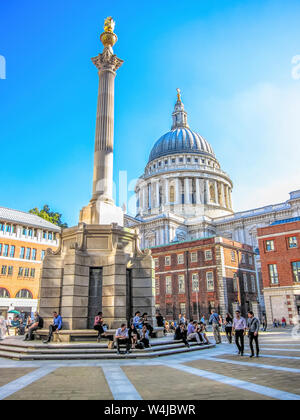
194, 257
43, 255
4, 270
253, 286
182, 308
44, 235
2, 227
12, 251
195, 282
30, 232
26, 272
296, 271
232, 255
250, 260
243, 259
273, 273
10, 270
22, 252
208, 255
24, 231
235, 283
5, 251
168, 285
32, 272
292, 241
156, 262
28, 252
21, 272
181, 284
270, 246
210, 281
1, 246
180, 259
245, 279
169, 309
8, 228
168, 260
50, 236
33, 256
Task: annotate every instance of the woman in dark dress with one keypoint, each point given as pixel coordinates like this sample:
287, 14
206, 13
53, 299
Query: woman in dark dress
228, 327
133, 336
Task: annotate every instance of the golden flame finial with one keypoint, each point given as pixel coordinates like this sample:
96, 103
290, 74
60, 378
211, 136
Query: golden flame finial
179, 95
109, 38
109, 25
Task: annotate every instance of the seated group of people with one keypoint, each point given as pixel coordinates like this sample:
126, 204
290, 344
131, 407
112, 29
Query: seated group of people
194, 331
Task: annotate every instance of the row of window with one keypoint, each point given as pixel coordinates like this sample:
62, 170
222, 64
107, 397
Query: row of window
23, 272
245, 283
181, 283
292, 243
181, 160
22, 294
25, 253
273, 272
173, 310
27, 231
243, 258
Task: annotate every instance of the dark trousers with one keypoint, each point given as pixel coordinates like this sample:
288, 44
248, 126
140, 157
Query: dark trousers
125, 341
52, 329
239, 340
29, 334
255, 338
228, 331
146, 342
100, 330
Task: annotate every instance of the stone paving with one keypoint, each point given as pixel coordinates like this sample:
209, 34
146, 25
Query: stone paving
210, 374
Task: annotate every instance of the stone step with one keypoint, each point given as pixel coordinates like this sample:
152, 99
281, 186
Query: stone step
108, 355
86, 349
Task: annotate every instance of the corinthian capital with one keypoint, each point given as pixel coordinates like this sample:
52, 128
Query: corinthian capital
107, 60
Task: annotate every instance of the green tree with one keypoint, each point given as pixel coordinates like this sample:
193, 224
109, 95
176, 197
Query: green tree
50, 216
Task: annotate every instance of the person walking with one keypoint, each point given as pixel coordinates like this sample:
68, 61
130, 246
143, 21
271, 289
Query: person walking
265, 322
98, 325
239, 328
253, 328
214, 320
228, 327
55, 326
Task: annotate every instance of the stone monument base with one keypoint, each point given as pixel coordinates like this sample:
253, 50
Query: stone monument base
97, 268
101, 213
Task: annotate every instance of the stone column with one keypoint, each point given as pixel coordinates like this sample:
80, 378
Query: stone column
157, 194
198, 193
144, 198
207, 192
223, 194
216, 192
166, 192
177, 191
187, 191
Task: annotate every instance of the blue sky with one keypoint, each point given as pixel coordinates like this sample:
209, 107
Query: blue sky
231, 59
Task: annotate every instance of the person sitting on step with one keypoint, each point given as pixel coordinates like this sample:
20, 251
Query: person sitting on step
55, 326
181, 334
98, 325
122, 337
145, 337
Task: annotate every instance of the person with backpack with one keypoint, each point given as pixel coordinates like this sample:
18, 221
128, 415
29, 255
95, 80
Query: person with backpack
55, 326
98, 325
38, 323
214, 320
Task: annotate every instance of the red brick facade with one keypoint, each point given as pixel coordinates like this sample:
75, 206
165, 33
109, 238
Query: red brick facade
279, 247
214, 262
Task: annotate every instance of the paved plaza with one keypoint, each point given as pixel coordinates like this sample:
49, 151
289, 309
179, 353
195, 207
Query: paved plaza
217, 373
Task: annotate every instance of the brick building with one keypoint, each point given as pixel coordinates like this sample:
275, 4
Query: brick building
24, 240
196, 276
279, 246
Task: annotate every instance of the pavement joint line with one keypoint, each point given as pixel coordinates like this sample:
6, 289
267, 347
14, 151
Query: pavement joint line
272, 349
274, 356
256, 365
119, 384
24, 381
237, 383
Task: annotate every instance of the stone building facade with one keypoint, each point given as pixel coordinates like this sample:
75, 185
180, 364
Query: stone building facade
24, 240
194, 277
279, 246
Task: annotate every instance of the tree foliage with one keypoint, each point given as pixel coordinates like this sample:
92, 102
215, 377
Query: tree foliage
51, 216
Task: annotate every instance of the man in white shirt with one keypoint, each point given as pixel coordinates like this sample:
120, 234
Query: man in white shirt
239, 330
122, 337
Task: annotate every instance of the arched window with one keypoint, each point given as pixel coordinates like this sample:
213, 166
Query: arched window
172, 194
4, 293
24, 294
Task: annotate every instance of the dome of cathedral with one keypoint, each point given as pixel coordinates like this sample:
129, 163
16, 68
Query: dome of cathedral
181, 139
